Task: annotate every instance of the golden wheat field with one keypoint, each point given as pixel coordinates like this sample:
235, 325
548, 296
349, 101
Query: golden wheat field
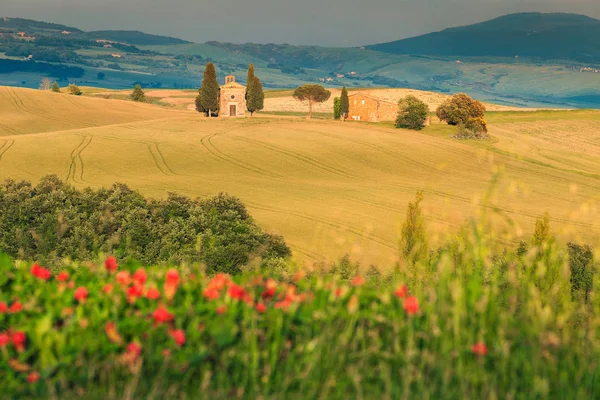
329, 187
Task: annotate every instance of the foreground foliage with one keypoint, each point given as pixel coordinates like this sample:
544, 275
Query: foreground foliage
457, 323
53, 220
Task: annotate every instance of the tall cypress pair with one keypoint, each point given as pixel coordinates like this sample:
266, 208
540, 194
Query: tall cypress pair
208, 95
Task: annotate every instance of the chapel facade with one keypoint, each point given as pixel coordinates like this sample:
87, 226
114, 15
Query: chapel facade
232, 98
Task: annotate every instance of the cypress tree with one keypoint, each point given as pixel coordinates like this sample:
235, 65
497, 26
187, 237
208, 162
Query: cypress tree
256, 97
344, 104
210, 90
199, 107
250, 81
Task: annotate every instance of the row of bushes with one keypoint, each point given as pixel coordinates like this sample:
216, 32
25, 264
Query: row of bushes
53, 220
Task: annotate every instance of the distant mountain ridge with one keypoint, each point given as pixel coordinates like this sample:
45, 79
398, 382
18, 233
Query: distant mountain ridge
135, 38
549, 36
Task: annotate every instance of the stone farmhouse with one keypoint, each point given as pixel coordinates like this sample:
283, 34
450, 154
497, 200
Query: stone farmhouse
232, 101
366, 108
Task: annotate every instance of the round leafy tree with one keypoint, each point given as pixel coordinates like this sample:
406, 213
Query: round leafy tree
459, 109
412, 113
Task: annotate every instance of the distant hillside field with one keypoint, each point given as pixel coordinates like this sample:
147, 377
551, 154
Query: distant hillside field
329, 187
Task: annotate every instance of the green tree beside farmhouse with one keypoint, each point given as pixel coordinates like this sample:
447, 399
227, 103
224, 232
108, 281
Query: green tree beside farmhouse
344, 104
256, 97
412, 113
312, 94
459, 109
209, 95
138, 94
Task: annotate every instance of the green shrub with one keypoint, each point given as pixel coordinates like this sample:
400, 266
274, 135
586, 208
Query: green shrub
53, 220
138, 94
412, 113
74, 90
336, 108
581, 265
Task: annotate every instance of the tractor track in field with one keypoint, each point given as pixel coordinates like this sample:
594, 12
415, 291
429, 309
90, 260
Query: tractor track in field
299, 157
381, 149
159, 159
208, 144
5, 147
77, 159
372, 237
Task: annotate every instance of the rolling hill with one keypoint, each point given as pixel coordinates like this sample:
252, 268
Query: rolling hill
328, 187
548, 36
131, 57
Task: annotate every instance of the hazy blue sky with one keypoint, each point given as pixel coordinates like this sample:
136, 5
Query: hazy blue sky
319, 22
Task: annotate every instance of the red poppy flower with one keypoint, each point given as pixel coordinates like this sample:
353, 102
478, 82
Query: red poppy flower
479, 349
219, 281
179, 336
134, 291
153, 293
33, 377
221, 309
40, 272
134, 349
111, 331
18, 340
3, 307
62, 277
171, 283
284, 304
111, 264
107, 288
81, 294
15, 307
162, 315
338, 292
401, 291
124, 278
172, 277
261, 308
411, 305
140, 276
358, 281
236, 292
211, 293
71, 285
4, 339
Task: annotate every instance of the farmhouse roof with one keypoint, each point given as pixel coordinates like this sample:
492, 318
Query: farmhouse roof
371, 97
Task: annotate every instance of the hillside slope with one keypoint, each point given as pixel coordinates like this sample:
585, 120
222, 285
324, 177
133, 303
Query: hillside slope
329, 187
26, 111
557, 36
